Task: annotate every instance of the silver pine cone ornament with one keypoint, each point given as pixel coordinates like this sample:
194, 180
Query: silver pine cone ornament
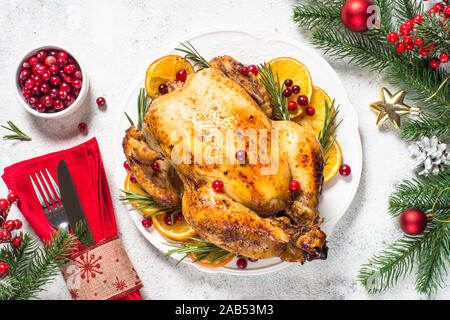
430, 155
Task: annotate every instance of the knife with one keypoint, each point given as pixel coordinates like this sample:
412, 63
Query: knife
74, 209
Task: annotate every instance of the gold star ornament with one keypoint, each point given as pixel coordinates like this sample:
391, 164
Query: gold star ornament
391, 107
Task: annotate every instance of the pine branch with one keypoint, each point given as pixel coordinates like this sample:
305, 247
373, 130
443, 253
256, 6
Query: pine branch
18, 134
316, 14
435, 29
406, 9
425, 125
192, 54
83, 233
386, 18
422, 192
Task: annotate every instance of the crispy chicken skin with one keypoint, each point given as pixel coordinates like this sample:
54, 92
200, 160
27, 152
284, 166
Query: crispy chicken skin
245, 217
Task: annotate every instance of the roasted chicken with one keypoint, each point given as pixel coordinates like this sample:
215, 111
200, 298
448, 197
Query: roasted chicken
255, 215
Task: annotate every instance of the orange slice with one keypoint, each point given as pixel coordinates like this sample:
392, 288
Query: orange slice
290, 68
334, 160
164, 70
135, 187
179, 231
315, 122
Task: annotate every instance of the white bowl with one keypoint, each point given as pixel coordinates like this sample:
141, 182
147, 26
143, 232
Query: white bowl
60, 114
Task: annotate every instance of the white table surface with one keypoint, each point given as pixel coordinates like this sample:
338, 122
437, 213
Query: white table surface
115, 39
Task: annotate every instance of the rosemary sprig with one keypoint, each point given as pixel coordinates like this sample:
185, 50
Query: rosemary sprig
275, 90
19, 134
192, 54
144, 201
198, 248
326, 135
143, 103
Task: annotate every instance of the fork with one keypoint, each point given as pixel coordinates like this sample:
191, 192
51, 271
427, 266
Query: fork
50, 202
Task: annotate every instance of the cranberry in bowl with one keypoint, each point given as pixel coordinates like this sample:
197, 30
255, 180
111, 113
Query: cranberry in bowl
51, 82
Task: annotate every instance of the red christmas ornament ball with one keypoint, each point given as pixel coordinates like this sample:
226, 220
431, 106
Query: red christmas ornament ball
354, 14
413, 221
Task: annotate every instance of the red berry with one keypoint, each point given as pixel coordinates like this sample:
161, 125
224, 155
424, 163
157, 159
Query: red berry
217, 185
50, 61
241, 156
163, 89
405, 29
33, 61
4, 206
418, 42
17, 241
179, 216
29, 84
447, 11
24, 75
26, 65
61, 62
181, 75
393, 37
292, 105
69, 100
69, 69
64, 87
55, 81
434, 63
302, 100
76, 84
294, 185
345, 170
288, 83
126, 166
245, 71
33, 102
82, 127
439, 7
147, 222
4, 269
45, 88
168, 220
253, 69
26, 93
58, 104
409, 23
37, 80
241, 263
423, 52
9, 225
407, 39
133, 179
41, 69
12, 197
63, 94
409, 46
400, 47
67, 78
310, 111
444, 57
101, 101
78, 74
40, 108
54, 93
46, 101
18, 224
295, 89
53, 70
36, 91
46, 76
155, 166
63, 55
287, 92
432, 10
5, 235
417, 18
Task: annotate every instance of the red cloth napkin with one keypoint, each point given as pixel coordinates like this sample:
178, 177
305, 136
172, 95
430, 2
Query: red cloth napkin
86, 168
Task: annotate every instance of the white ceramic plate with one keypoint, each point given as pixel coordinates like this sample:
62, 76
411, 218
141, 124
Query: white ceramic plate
255, 48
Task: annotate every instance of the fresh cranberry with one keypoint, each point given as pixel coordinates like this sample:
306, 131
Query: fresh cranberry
36, 91
61, 62
26, 93
41, 55
46, 101
155, 166
18, 224
400, 47
67, 78
50, 61
45, 88
181, 75
245, 71
12, 197
63, 94
75, 92
163, 89
25, 74
126, 166
53, 53
69, 100
292, 105
53, 70
17, 241
78, 74
294, 185
147, 222
302, 100
82, 127
100, 101
407, 39
54, 93
58, 104
434, 63
310, 111
253, 69
409, 46
33, 102
217, 185
179, 216
64, 87
40, 108
41, 69
55, 81
133, 179
9, 225
287, 92
26, 65
241, 263
288, 83
77, 84
63, 55
4, 206
29, 83
405, 29
417, 18
37, 80
46, 76
5, 235
409, 23
69, 69
393, 37
168, 219
345, 170
33, 61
